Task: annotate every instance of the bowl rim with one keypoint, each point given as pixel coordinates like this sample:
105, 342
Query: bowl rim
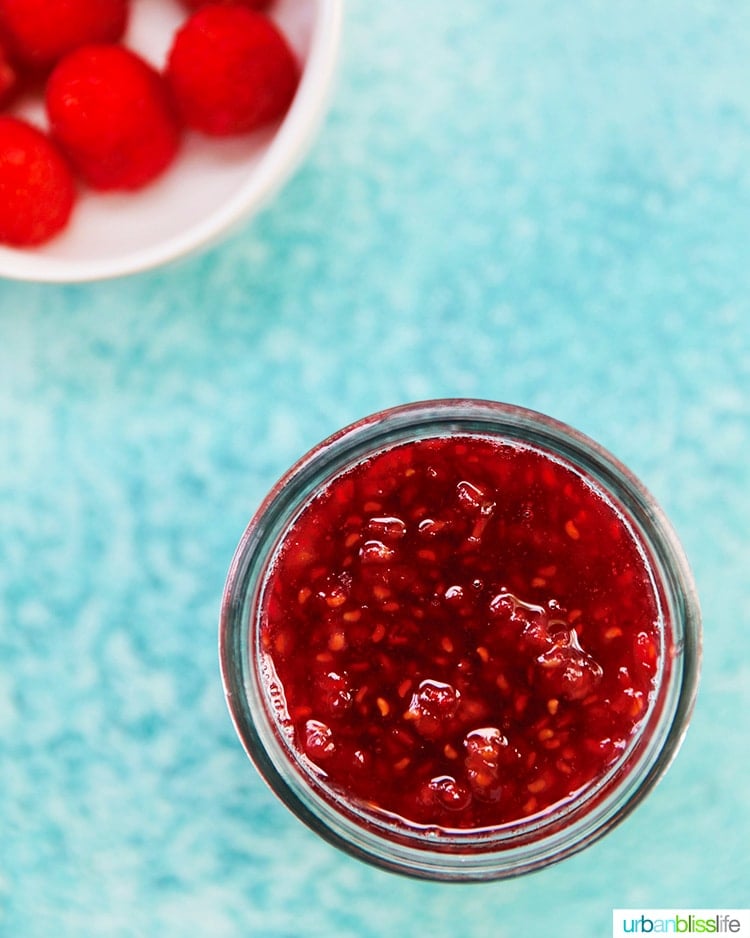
282, 157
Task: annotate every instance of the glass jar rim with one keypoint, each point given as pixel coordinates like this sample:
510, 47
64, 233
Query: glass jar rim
465, 857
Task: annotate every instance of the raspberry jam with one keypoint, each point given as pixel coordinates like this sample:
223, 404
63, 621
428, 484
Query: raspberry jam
461, 639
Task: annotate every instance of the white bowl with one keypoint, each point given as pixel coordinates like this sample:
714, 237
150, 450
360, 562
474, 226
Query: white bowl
212, 186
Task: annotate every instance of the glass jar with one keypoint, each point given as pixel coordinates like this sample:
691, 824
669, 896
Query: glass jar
257, 698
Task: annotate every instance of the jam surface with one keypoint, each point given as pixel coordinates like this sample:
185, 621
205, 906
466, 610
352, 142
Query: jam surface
463, 630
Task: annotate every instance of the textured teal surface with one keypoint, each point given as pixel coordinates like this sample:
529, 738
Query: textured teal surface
539, 202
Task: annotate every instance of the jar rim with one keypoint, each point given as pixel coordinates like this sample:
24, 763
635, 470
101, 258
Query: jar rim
468, 858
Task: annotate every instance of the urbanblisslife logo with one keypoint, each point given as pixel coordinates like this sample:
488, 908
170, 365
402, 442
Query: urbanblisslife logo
727, 922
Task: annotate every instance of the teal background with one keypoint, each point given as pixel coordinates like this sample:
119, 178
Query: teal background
545, 203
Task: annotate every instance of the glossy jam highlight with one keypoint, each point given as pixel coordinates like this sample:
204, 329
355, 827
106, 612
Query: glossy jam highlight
462, 633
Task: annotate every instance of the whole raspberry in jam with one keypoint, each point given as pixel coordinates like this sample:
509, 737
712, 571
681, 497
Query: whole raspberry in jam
37, 191
231, 71
111, 113
41, 32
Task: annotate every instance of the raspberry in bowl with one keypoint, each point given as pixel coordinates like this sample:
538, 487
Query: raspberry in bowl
460, 640
147, 192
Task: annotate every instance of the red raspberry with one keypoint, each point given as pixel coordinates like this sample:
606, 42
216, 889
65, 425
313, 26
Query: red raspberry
111, 113
41, 32
231, 71
250, 4
37, 191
